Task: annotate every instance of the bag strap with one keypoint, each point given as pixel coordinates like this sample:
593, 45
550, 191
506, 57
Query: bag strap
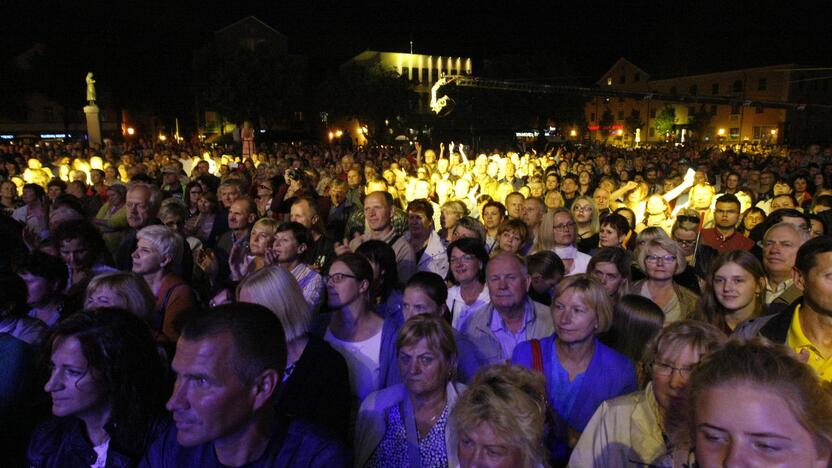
537, 356
414, 456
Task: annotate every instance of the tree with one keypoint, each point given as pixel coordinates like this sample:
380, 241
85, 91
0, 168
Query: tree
665, 120
699, 121
633, 122
369, 94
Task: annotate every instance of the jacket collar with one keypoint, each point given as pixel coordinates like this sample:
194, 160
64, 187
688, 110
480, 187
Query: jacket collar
777, 329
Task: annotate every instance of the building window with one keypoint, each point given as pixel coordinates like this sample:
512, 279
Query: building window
715, 89
762, 84
620, 115
652, 132
734, 133
758, 132
609, 81
735, 108
653, 113
592, 117
436, 78
637, 77
713, 109
694, 90
737, 88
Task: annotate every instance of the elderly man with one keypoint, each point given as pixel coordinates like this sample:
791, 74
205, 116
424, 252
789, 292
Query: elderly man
143, 201
511, 317
804, 326
228, 367
306, 211
378, 212
780, 245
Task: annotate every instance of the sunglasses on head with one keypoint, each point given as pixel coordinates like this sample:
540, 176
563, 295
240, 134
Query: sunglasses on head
692, 219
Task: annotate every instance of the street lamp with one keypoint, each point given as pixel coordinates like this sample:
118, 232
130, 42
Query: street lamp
131, 131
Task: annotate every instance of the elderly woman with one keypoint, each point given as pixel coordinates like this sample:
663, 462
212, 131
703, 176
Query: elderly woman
500, 419
735, 291
468, 259
586, 223
755, 403
316, 382
661, 259
581, 372
564, 238
112, 217
108, 387
124, 290
405, 425
640, 428
512, 235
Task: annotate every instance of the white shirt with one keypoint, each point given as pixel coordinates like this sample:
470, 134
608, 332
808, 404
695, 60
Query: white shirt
363, 362
580, 260
460, 311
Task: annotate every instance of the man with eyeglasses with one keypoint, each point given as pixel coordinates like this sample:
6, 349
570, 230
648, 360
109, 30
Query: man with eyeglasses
724, 236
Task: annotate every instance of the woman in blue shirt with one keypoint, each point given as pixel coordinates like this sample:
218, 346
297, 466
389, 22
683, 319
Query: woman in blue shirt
580, 371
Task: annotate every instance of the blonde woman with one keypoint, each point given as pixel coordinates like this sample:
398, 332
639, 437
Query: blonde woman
661, 259
315, 384
125, 290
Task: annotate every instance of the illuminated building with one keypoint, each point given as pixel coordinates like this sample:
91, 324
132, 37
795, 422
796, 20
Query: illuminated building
727, 123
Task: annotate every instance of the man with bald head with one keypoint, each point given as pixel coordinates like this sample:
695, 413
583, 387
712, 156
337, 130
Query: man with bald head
511, 317
378, 214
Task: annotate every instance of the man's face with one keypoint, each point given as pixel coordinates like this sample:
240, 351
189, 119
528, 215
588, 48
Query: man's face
337, 195
766, 179
353, 178
139, 211
602, 199
507, 285
301, 213
778, 203
54, 192
76, 254
228, 195
686, 240
210, 401
532, 213
817, 285
514, 206
377, 212
732, 182
780, 250
568, 186
726, 215
701, 196
781, 188
239, 217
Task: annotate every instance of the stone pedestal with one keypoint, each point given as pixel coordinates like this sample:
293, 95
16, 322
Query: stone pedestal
93, 124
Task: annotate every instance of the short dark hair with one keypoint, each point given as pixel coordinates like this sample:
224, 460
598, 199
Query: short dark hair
383, 254
84, 231
299, 232
495, 204
615, 255
433, 284
39, 192
618, 222
45, 266
420, 205
777, 216
807, 254
729, 198
471, 247
259, 340
56, 183
547, 263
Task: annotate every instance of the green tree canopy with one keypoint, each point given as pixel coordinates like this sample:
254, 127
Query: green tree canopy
665, 120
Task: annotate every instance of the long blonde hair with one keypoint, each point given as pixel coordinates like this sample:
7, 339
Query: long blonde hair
276, 289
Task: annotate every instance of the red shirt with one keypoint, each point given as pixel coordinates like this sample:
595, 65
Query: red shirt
736, 241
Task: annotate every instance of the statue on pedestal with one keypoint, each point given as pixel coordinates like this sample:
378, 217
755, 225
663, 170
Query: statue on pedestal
90, 88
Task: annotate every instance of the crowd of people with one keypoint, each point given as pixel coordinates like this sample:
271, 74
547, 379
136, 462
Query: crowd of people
171, 305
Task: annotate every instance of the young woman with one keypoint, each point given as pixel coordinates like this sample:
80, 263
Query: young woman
734, 291
586, 220
467, 259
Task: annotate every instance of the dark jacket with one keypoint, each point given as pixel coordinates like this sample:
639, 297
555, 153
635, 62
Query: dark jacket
775, 327
62, 442
297, 444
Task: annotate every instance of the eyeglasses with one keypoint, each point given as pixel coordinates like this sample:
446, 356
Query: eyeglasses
582, 208
564, 226
685, 242
663, 258
336, 278
462, 258
692, 219
666, 370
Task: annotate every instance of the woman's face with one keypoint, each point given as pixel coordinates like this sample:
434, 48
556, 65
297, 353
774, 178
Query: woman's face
669, 389
194, 193
342, 290
76, 254
551, 200
39, 290
608, 236
609, 276
582, 210
416, 301
753, 426
465, 267
752, 219
491, 217
481, 447
800, 185
72, 384
563, 230
817, 228
510, 241
104, 297
450, 218
584, 178
658, 264
260, 240
551, 182
206, 206
423, 370
114, 198
735, 287
575, 321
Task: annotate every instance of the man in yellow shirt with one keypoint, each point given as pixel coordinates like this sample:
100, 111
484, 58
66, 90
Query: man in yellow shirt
806, 325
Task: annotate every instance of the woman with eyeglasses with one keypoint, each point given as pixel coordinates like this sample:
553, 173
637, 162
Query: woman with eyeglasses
640, 429
661, 259
354, 329
192, 193
586, 223
564, 239
467, 259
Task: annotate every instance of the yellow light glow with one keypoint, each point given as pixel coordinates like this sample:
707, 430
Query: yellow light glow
338, 133
162, 137
619, 132
720, 132
331, 135
774, 131
573, 132
131, 131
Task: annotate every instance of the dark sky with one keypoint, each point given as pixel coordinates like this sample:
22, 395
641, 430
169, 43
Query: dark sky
664, 38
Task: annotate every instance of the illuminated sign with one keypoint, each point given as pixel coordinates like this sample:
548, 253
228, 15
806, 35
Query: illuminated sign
7, 137
593, 128
53, 135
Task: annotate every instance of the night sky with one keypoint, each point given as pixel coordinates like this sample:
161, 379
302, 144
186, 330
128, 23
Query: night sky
151, 41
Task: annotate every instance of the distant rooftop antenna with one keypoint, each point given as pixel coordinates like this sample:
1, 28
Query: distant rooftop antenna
411, 47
